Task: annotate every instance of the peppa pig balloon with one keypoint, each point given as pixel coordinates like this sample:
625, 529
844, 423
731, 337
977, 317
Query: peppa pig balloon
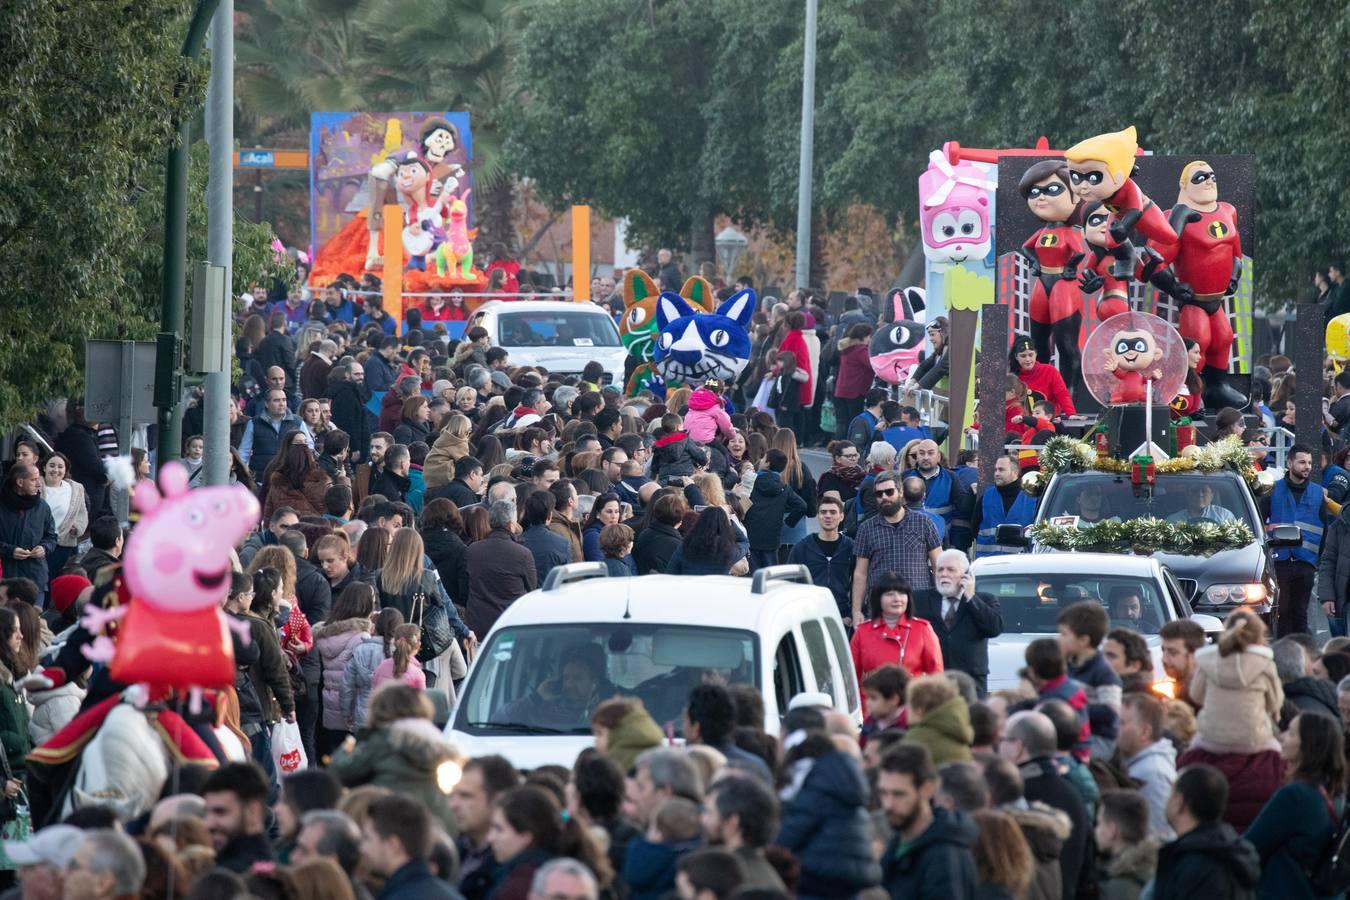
177, 565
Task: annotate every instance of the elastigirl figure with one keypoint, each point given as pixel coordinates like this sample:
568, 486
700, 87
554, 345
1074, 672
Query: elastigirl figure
1131, 357
1095, 269
1206, 267
1052, 253
1100, 169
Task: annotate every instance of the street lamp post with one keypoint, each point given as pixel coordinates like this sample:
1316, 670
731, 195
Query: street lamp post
807, 150
730, 244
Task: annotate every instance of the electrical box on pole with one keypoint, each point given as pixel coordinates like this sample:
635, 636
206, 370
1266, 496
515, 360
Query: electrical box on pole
210, 320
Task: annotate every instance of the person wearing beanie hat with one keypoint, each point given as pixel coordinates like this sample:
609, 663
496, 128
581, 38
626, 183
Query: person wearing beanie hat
1043, 380
65, 591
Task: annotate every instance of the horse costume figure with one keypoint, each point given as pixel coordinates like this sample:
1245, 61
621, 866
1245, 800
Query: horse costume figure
457, 249
694, 347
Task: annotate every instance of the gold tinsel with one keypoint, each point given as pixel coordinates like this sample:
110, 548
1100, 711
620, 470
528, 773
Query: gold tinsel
1069, 454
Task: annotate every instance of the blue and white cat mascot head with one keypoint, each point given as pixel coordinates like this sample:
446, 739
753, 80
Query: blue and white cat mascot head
694, 346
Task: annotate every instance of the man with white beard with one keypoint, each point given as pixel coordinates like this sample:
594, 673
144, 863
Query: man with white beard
963, 619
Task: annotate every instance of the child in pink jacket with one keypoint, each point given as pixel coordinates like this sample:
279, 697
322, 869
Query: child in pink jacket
707, 415
402, 664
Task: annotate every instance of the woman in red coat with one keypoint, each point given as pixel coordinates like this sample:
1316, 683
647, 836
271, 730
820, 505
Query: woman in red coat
894, 636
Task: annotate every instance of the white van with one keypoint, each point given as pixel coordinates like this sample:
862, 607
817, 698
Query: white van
583, 637
560, 335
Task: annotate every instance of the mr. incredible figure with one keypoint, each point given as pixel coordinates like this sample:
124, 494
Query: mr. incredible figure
1100, 169
1052, 253
1206, 267
1095, 270
1131, 356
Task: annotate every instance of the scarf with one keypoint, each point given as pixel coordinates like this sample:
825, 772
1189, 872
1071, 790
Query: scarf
851, 474
16, 501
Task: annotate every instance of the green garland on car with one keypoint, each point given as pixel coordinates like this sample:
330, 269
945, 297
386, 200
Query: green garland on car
1145, 536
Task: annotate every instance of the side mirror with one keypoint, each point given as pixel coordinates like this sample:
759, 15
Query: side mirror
1211, 624
1011, 536
1284, 536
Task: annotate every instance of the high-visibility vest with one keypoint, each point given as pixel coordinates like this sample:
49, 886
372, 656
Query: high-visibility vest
992, 515
1306, 514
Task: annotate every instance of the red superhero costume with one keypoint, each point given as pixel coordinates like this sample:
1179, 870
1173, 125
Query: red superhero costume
1206, 262
1097, 276
1129, 387
1134, 212
1056, 248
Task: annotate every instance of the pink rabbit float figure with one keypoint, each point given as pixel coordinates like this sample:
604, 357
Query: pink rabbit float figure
457, 249
177, 568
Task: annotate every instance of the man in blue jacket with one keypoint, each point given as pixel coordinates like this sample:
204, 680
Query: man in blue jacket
829, 554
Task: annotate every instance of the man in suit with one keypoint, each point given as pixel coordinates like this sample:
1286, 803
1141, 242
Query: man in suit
963, 619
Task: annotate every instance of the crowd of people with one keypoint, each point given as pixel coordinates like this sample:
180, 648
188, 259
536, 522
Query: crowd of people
413, 487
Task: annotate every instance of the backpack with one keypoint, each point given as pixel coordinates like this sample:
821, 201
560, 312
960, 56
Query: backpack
1330, 875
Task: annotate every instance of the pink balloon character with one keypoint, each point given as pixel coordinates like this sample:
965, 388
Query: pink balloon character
177, 567
954, 205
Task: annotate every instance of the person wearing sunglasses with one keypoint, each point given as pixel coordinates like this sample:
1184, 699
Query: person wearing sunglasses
894, 542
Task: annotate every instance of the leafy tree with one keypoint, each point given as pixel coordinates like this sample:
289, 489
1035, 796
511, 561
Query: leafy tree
89, 95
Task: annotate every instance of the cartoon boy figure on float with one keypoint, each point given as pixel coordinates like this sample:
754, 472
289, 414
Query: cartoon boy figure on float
1100, 168
1205, 267
1132, 355
1053, 252
1095, 270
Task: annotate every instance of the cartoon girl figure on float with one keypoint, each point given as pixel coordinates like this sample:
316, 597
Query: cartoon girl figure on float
1052, 253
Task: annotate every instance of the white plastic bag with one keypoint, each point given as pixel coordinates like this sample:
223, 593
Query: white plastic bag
288, 752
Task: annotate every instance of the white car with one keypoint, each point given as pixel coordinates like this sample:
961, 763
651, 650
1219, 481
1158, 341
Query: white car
1032, 588
583, 637
560, 335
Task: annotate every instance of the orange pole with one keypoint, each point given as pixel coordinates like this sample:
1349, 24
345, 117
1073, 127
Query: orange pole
393, 263
581, 253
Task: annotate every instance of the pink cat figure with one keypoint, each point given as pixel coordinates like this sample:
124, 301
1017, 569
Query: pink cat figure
458, 247
177, 567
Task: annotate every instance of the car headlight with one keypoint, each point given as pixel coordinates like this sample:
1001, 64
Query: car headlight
1226, 594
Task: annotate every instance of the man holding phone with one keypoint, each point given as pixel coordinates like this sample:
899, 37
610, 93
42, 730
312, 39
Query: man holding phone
829, 554
963, 620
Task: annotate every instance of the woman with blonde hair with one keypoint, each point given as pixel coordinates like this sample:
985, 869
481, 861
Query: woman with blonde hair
799, 478
451, 445
274, 556
407, 585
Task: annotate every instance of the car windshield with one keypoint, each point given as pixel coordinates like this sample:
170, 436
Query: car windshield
1091, 497
556, 329
1031, 602
548, 679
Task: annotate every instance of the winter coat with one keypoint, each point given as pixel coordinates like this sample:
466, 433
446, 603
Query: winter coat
569, 529
654, 547
938, 863
834, 572
414, 880
706, 417
500, 572
350, 413
683, 565
53, 709
314, 375
278, 349
450, 555
357, 678
826, 825
307, 500
412, 676
1308, 694
675, 456
1042, 783
911, 644
547, 548
1239, 696
268, 674
945, 731
1211, 862
393, 486
95, 560
439, 467
314, 595
649, 867
1045, 829
26, 528
1155, 768
855, 370
402, 756
1289, 835
76, 520
409, 432
14, 734
1333, 566
335, 642
79, 443
1123, 876
1252, 779
456, 491
773, 505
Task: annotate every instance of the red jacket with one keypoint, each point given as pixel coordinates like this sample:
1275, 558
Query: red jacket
912, 644
1045, 383
795, 343
855, 372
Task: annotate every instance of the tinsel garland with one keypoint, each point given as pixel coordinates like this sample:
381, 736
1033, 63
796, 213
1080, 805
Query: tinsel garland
1145, 536
1066, 454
